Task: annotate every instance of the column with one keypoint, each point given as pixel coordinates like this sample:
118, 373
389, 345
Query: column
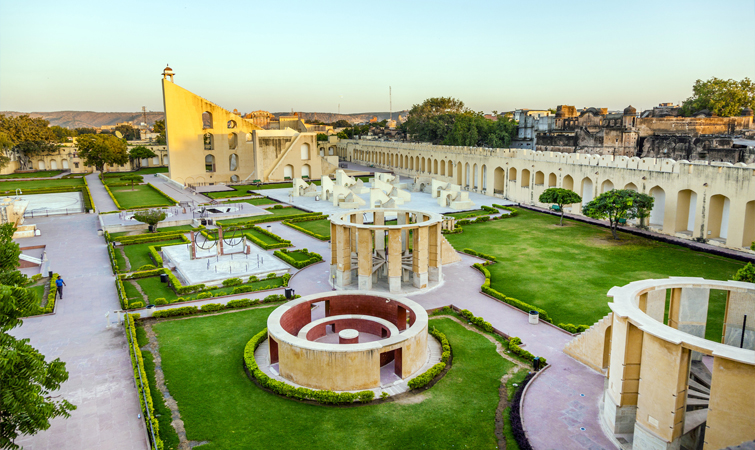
419, 257
620, 399
403, 219
333, 251
193, 245
220, 241
343, 260
663, 393
653, 303
379, 219
434, 257
738, 304
394, 260
364, 258
688, 312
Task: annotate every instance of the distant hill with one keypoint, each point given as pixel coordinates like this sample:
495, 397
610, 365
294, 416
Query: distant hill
89, 119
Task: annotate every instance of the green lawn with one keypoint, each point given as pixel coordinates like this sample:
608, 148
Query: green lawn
186, 228
321, 226
568, 270
131, 292
38, 174
141, 196
238, 191
255, 201
142, 172
263, 237
138, 254
39, 291
475, 213
219, 404
155, 289
37, 184
298, 255
281, 212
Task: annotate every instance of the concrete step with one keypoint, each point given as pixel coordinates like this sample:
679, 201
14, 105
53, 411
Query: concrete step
30, 259
694, 419
696, 402
700, 373
695, 394
694, 385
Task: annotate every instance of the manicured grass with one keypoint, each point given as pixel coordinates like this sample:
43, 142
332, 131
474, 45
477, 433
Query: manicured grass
131, 292
138, 254
156, 289
298, 255
238, 191
144, 171
120, 259
219, 404
281, 212
475, 213
321, 227
263, 237
39, 291
255, 201
37, 184
38, 174
162, 412
160, 229
143, 195
568, 270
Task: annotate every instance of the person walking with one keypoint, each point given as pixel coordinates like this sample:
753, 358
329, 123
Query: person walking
60, 283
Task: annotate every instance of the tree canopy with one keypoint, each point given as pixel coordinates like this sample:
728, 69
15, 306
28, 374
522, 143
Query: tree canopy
140, 152
322, 137
129, 132
159, 128
618, 204
150, 217
29, 136
27, 380
746, 273
100, 149
560, 197
133, 178
723, 98
341, 123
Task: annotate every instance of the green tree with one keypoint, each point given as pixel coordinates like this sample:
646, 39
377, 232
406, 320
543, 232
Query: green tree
9, 253
29, 137
100, 149
140, 152
159, 128
151, 217
643, 204
6, 146
746, 273
62, 134
614, 205
342, 135
723, 98
560, 197
433, 119
129, 132
133, 178
80, 131
322, 137
341, 123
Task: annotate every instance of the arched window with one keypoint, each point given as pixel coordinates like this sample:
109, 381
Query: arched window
525, 178
539, 178
330, 151
234, 178
208, 141
231, 124
233, 162
53, 165
305, 151
65, 164
512, 174
305, 171
41, 164
156, 161
206, 120
288, 172
233, 141
209, 163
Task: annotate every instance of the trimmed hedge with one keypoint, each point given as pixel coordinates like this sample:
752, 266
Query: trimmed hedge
469, 251
479, 322
514, 212
88, 201
113, 260
50, 306
573, 329
485, 288
281, 242
168, 197
182, 311
137, 362
261, 219
312, 257
150, 237
522, 353
280, 388
456, 230
212, 307
291, 221
424, 379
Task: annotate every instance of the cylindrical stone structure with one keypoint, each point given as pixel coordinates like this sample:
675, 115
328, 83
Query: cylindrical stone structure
348, 336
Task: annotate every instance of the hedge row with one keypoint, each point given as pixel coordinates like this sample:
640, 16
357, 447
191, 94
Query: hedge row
469, 251
424, 379
291, 222
149, 237
261, 219
110, 193
522, 353
88, 201
514, 212
154, 251
573, 329
281, 242
479, 322
212, 307
313, 257
168, 197
509, 300
50, 306
137, 362
456, 230
280, 388
113, 260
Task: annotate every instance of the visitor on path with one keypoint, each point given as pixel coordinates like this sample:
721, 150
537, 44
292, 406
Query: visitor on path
60, 283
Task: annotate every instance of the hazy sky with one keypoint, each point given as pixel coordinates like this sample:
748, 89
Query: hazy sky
103, 55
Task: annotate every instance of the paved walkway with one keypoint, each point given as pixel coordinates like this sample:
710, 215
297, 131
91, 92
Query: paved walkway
174, 192
102, 200
101, 382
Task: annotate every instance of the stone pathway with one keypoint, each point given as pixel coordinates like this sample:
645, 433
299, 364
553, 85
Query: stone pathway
102, 200
101, 382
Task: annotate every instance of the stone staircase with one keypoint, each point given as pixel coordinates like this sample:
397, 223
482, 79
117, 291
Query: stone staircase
698, 396
587, 347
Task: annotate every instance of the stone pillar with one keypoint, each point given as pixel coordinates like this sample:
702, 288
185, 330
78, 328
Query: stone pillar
364, 258
653, 303
355, 218
620, 398
689, 312
333, 251
193, 245
731, 411
403, 219
379, 219
220, 241
343, 260
739, 304
433, 249
394, 260
419, 257
663, 393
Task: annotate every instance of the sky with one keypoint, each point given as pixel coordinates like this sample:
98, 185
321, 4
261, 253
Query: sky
103, 55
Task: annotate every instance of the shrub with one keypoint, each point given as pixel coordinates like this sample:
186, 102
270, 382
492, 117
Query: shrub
746, 274
203, 295
291, 220
522, 353
277, 207
477, 321
489, 209
270, 276
232, 282
274, 298
160, 301
482, 219
469, 251
35, 278
212, 307
145, 267
182, 311
573, 329
253, 278
427, 377
136, 304
312, 258
241, 303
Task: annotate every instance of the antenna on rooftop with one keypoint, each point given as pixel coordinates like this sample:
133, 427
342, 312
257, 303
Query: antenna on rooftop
144, 116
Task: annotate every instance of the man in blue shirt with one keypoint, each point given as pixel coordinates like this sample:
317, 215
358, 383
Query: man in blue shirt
60, 283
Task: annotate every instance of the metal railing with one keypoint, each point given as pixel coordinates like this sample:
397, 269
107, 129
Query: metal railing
53, 212
147, 417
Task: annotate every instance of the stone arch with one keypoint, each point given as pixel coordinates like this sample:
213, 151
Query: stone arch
304, 151
411, 163
443, 168
330, 151
659, 205
234, 178
208, 141
65, 164
231, 124
288, 172
233, 162
718, 217
552, 180
631, 187
207, 120
423, 165
568, 183
450, 168
587, 190
322, 151
512, 174
53, 164
607, 346
499, 176
686, 205
435, 167
305, 171
748, 236
525, 178
209, 163
233, 141
606, 186
539, 178
416, 163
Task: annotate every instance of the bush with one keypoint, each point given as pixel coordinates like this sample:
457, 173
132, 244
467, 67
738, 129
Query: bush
136, 304
489, 209
277, 207
513, 211
241, 303
573, 329
270, 276
469, 251
312, 258
424, 379
146, 267
290, 222
522, 353
212, 307
160, 301
253, 278
232, 282
204, 295
746, 274
182, 311
482, 219
477, 321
